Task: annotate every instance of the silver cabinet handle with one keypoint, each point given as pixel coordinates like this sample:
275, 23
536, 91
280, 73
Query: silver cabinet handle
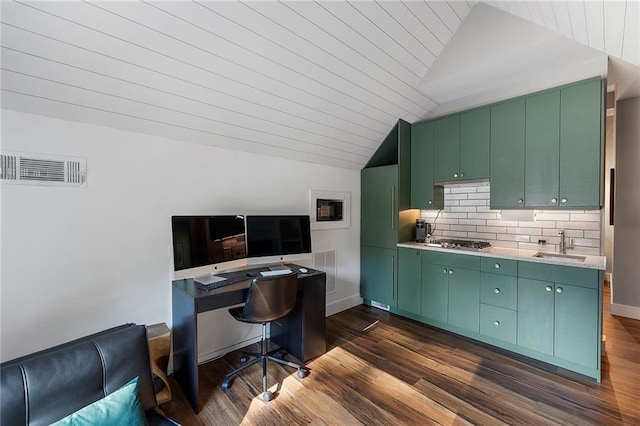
554, 200
393, 278
548, 288
393, 206
496, 323
418, 253
461, 174
497, 266
520, 200
496, 291
430, 202
559, 290
444, 271
564, 200
455, 175
450, 271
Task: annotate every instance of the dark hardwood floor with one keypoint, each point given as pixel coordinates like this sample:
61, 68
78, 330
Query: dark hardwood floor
383, 369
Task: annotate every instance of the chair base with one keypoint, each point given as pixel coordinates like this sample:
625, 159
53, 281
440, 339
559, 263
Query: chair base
262, 357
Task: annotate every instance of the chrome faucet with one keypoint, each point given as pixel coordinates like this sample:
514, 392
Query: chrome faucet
563, 244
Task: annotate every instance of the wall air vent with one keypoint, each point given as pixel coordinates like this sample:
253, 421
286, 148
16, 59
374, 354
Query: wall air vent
42, 169
326, 261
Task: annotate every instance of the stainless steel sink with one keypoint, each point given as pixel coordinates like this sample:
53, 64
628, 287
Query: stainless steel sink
560, 256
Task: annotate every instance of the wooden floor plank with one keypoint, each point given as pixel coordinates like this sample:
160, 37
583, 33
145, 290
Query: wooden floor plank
382, 369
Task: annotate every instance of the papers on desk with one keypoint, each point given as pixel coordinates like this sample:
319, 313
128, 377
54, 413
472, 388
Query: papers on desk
275, 273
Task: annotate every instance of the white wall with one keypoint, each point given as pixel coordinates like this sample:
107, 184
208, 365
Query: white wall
78, 260
626, 269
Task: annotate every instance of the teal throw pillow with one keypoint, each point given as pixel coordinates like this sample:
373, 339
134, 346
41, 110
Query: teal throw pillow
121, 407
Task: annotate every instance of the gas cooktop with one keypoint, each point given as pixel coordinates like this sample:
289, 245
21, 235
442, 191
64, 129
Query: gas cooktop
460, 244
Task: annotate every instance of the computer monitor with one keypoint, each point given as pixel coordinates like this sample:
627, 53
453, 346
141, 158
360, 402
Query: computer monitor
278, 236
204, 244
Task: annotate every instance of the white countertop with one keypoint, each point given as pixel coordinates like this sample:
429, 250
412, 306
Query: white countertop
591, 262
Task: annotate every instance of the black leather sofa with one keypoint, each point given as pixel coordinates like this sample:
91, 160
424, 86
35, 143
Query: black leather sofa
44, 387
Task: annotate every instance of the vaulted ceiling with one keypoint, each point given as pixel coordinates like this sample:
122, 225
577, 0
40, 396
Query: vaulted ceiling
321, 81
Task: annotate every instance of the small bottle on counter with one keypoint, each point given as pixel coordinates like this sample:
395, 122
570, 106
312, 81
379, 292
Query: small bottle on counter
542, 245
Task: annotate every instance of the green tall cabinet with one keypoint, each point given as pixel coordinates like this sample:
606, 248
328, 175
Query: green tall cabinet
424, 195
385, 219
507, 154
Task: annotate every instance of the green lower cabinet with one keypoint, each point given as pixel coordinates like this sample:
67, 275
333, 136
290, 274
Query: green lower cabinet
559, 320
378, 274
435, 291
499, 290
409, 280
576, 324
498, 323
535, 315
464, 299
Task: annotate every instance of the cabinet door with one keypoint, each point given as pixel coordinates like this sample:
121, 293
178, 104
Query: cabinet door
447, 148
435, 291
378, 274
542, 162
576, 324
464, 299
422, 189
581, 145
535, 315
475, 136
409, 280
507, 154
379, 214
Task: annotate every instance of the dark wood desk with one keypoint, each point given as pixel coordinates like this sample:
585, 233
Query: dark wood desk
301, 333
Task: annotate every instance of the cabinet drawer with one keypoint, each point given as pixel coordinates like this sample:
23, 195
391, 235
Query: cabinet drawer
582, 277
452, 260
499, 266
498, 323
499, 290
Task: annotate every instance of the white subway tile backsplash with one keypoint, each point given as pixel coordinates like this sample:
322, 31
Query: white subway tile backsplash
467, 214
579, 225
552, 216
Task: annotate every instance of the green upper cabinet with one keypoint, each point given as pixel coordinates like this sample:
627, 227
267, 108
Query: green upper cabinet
409, 280
475, 136
542, 141
379, 207
507, 154
581, 144
423, 193
546, 149
461, 146
447, 148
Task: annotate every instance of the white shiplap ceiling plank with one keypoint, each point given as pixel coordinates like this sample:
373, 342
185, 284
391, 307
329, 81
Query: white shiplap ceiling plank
548, 15
414, 51
414, 26
430, 20
460, 8
594, 17
248, 88
240, 65
562, 18
354, 67
578, 21
614, 15
536, 13
630, 49
446, 14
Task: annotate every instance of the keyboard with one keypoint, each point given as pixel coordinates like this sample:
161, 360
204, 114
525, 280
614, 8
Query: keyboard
221, 281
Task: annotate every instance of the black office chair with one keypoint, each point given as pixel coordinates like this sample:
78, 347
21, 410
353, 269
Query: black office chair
269, 299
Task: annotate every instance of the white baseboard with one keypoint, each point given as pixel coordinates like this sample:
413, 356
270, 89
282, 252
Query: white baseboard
627, 311
343, 304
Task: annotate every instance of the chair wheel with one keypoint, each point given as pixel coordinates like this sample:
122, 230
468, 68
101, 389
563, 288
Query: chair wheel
243, 359
267, 396
224, 385
302, 373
